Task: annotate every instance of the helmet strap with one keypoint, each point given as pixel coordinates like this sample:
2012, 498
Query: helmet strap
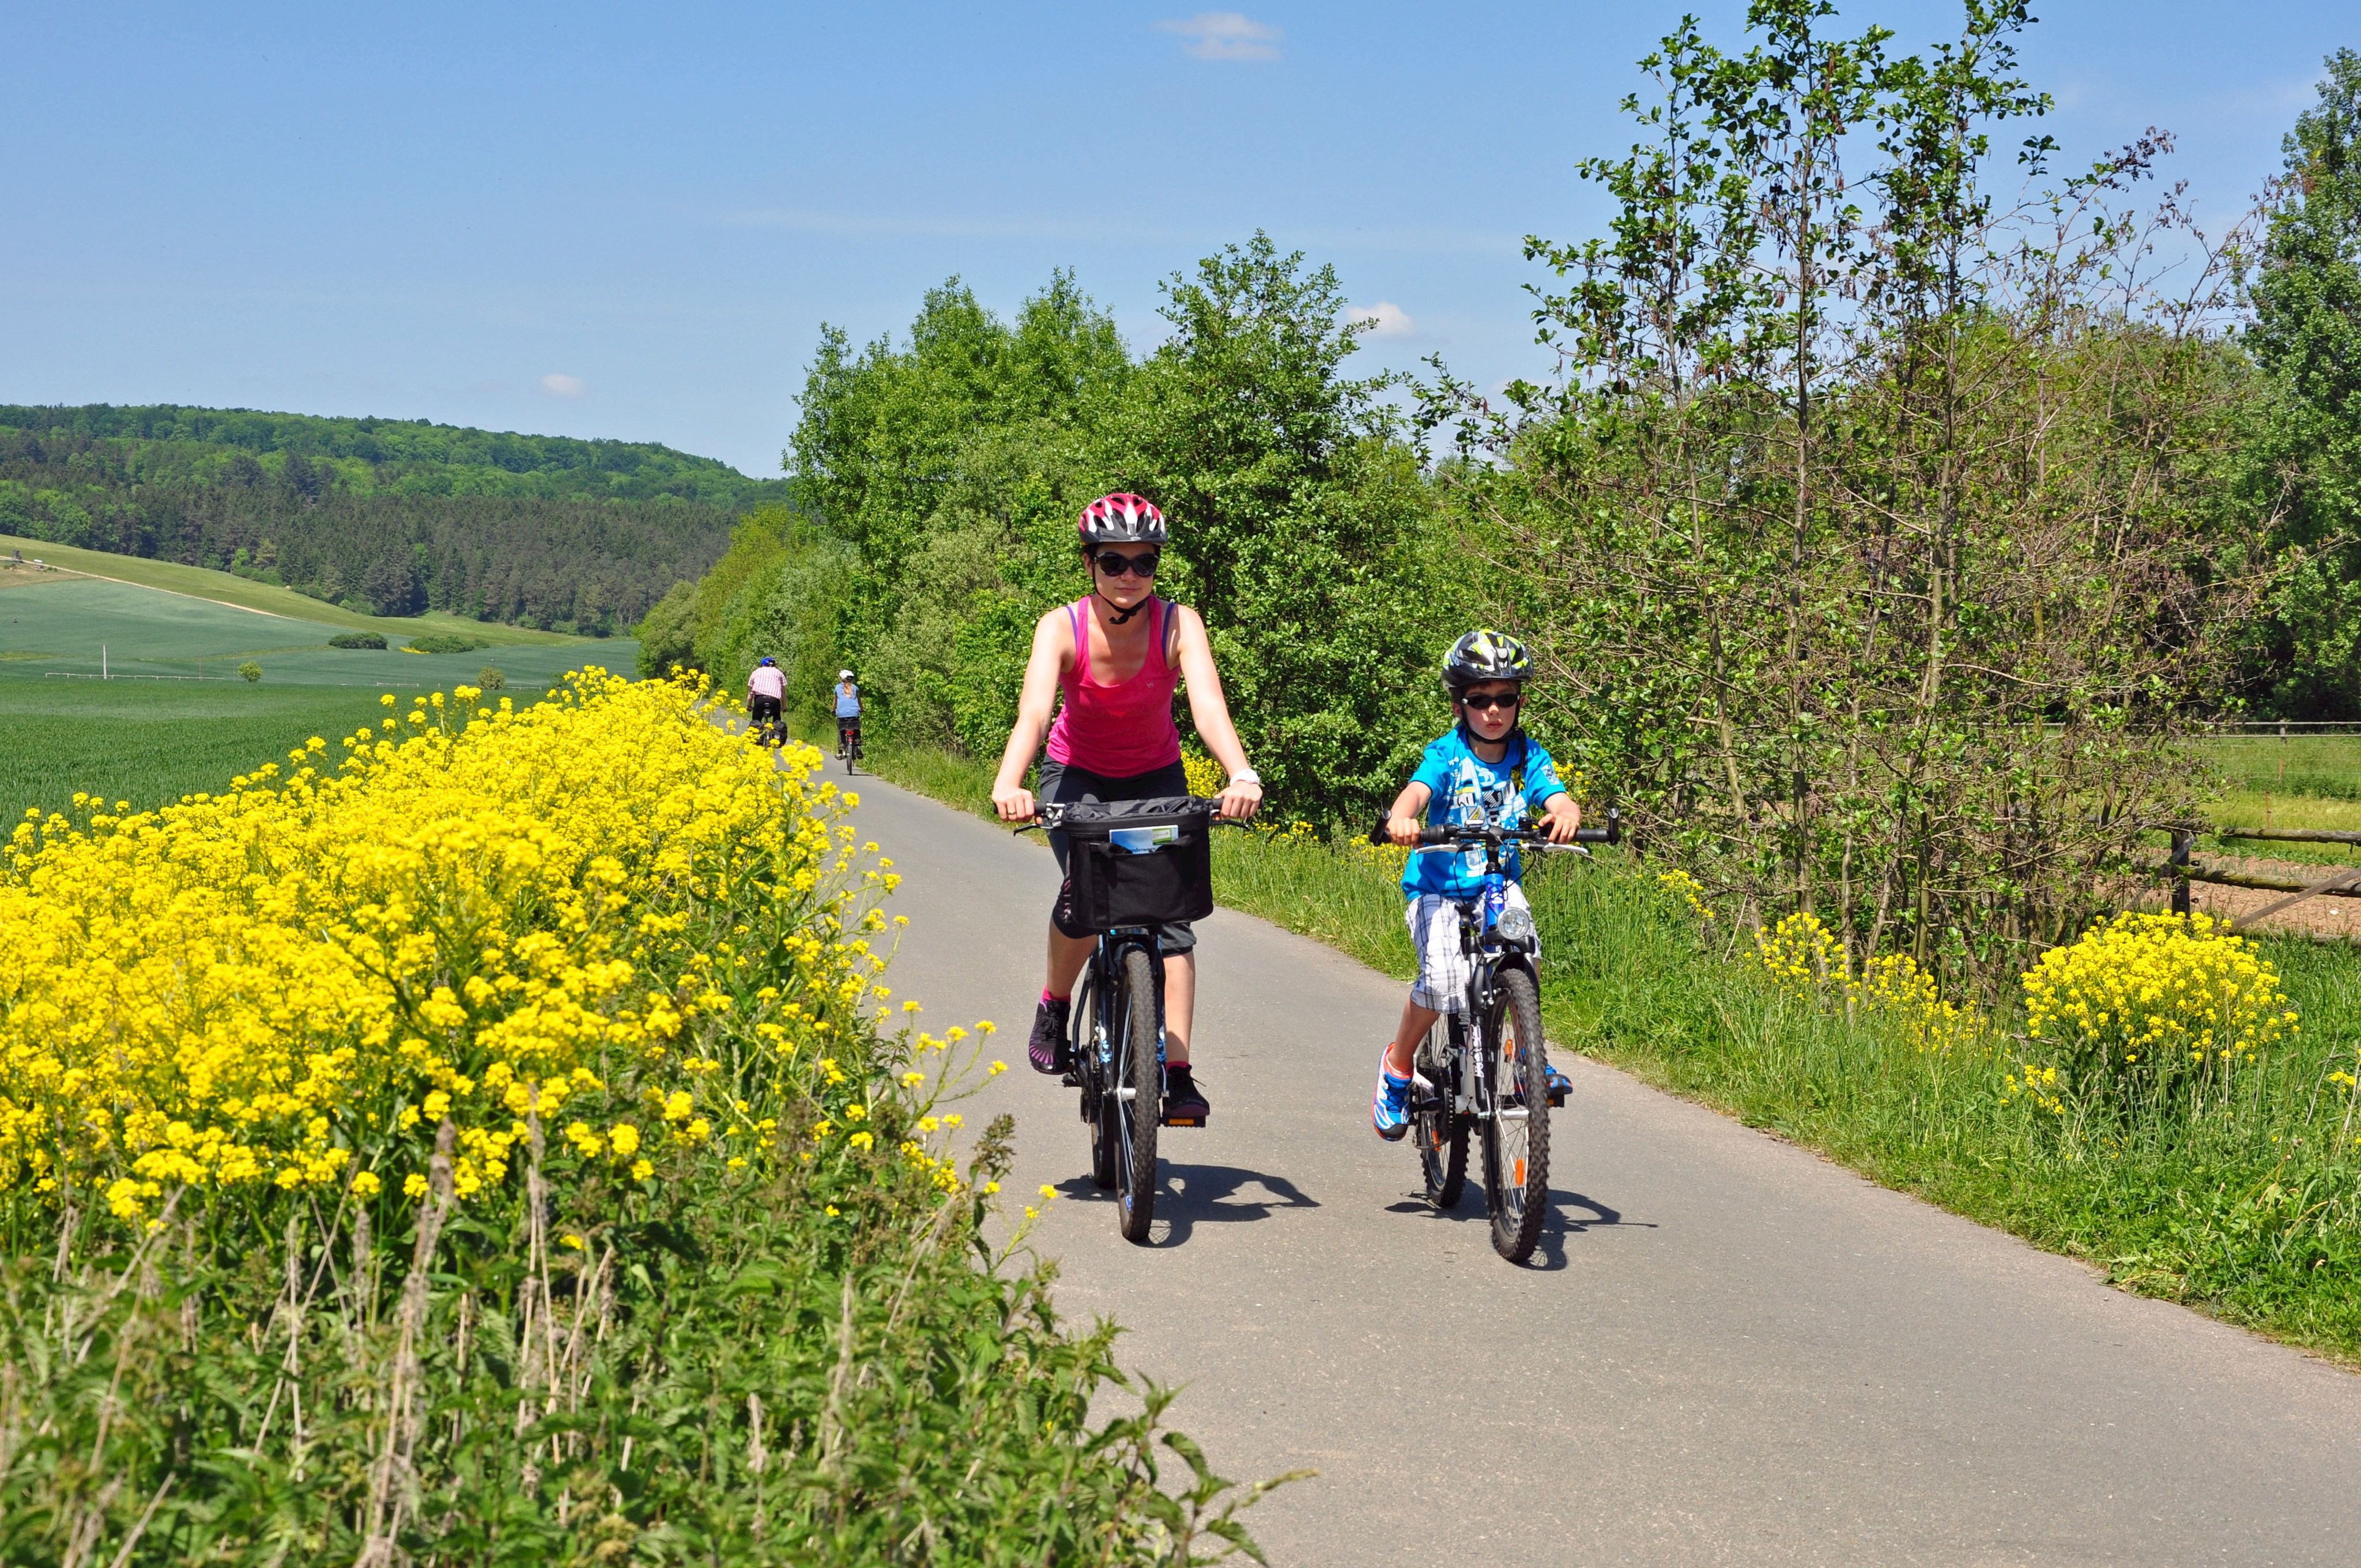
1115, 612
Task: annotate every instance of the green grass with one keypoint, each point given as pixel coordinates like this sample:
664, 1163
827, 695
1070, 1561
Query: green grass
2324, 765
223, 588
2253, 1215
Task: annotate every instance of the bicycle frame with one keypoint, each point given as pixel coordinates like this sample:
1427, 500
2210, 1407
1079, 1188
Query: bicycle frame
1094, 1058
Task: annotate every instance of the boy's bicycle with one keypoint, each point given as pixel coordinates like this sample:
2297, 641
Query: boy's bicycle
1132, 864
1485, 1066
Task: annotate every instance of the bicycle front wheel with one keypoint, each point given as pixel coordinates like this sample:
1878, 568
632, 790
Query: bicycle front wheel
1516, 1163
1439, 1130
1138, 1097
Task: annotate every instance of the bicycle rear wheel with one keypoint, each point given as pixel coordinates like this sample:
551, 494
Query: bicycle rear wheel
1098, 1104
1516, 1162
1139, 1097
1440, 1131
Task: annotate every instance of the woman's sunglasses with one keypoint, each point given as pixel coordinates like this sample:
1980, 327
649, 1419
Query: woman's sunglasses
1484, 702
1115, 565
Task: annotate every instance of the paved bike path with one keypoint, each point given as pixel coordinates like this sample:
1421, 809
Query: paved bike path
1727, 1349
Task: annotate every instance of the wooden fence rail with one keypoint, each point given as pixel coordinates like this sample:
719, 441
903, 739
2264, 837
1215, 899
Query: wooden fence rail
2343, 883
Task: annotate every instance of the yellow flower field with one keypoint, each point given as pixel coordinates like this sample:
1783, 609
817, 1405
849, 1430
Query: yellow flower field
470, 912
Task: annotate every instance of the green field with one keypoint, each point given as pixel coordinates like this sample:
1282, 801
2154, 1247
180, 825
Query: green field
67, 628
151, 742
223, 588
174, 717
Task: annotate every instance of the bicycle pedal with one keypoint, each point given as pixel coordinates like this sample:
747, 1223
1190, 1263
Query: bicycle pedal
1556, 1095
1171, 1121
1068, 1080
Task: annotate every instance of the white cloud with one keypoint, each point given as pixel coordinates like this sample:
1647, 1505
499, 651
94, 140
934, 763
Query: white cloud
1391, 319
1226, 35
558, 386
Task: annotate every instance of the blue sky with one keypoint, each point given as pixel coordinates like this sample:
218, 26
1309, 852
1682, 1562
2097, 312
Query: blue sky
631, 219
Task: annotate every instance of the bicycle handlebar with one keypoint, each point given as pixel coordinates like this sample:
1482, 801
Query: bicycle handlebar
1052, 814
1471, 836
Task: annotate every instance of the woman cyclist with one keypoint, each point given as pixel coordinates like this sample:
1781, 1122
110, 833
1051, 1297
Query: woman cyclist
1118, 653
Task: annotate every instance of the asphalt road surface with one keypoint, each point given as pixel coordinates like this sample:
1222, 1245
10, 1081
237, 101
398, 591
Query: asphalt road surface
1727, 1349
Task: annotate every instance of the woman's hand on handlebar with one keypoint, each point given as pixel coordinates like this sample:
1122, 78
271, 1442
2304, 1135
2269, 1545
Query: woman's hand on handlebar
1240, 801
1402, 829
1562, 817
1015, 803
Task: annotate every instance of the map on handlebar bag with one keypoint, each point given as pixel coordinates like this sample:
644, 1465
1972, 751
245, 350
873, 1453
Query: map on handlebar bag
1143, 840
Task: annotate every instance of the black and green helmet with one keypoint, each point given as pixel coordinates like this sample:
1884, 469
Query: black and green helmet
1486, 655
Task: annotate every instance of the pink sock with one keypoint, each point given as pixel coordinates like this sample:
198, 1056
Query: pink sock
1050, 998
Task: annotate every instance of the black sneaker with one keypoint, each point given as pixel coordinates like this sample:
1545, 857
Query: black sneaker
1046, 1050
1184, 1102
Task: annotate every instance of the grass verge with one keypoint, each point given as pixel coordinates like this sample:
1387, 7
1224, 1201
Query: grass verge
2252, 1213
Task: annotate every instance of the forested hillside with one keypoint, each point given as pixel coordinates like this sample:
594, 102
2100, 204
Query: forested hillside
394, 516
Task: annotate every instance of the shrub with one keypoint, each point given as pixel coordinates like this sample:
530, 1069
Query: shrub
491, 678
2156, 1009
357, 639
250, 671
446, 643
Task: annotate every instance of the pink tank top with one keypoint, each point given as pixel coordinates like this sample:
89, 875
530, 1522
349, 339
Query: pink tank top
1118, 731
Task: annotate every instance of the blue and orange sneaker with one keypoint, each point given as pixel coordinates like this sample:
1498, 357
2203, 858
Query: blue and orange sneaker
1390, 1109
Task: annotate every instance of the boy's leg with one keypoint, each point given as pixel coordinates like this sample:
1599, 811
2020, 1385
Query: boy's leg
1415, 1022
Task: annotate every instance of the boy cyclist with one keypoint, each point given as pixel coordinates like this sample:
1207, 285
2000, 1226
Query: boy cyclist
1487, 770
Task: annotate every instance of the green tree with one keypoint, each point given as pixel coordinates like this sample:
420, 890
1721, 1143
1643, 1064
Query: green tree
1300, 516
2307, 334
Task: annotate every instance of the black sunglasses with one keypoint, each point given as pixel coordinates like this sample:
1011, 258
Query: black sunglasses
1116, 565
1484, 702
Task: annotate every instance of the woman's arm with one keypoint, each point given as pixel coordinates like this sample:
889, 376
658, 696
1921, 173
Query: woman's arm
1210, 711
1053, 645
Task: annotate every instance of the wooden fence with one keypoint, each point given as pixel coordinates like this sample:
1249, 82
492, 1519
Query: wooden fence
2342, 883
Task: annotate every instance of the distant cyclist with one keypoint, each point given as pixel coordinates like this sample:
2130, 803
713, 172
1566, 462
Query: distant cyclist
764, 688
1118, 653
848, 710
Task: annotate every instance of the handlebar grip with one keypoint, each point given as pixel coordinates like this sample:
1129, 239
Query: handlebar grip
1611, 834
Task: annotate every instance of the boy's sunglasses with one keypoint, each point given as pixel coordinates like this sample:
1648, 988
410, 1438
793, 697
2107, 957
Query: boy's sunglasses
1484, 702
1116, 565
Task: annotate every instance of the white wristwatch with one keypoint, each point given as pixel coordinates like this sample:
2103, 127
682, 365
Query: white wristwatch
1246, 775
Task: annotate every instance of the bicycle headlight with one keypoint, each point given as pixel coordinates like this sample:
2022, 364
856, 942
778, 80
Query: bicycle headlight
1516, 925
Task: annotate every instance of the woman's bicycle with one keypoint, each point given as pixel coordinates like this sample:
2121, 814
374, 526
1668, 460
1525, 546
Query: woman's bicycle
847, 743
1486, 1067
1132, 865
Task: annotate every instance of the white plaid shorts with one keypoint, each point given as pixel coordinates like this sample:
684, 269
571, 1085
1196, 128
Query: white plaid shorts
1442, 969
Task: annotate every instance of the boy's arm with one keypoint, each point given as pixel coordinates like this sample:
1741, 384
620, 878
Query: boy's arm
1404, 820
1558, 805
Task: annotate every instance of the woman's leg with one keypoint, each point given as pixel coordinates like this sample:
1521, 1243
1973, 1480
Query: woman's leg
1067, 956
1179, 1005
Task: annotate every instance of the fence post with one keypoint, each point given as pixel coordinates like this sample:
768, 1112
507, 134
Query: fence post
2181, 840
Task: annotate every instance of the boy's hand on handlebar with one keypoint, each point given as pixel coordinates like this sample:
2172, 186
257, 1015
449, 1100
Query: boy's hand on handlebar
1564, 817
1015, 803
1402, 829
1240, 801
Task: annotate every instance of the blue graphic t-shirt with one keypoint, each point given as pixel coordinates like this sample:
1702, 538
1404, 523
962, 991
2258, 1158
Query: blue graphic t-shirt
1468, 789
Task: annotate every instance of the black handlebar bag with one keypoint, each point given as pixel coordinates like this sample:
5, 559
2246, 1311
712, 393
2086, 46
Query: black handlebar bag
1139, 862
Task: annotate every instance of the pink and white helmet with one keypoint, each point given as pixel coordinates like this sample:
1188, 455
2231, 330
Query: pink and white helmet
1122, 518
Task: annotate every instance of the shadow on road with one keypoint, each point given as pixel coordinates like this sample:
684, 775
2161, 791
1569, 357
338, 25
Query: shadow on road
1574, 1213
1195, 1194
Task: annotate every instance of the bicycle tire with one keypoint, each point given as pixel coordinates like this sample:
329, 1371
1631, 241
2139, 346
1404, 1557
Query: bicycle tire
1441, 1135
1517, 1145
1098, 1106
1138, 1070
